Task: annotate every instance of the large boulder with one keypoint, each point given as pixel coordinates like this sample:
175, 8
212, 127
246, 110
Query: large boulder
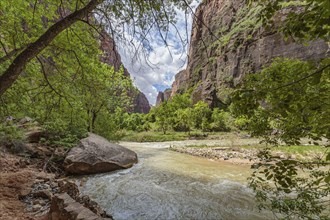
95, 154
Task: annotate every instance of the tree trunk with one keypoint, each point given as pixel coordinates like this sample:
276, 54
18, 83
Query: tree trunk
32, 50
89, 127
94, 115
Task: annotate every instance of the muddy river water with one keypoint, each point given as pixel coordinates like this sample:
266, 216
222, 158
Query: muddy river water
169, 185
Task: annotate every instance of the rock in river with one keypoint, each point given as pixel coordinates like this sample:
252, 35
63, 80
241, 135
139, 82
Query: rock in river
95, 154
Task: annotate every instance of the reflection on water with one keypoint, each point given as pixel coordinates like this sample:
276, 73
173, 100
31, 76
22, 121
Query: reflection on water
170, 185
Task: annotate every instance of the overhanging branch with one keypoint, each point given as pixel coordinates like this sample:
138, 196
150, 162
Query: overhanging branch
14, 70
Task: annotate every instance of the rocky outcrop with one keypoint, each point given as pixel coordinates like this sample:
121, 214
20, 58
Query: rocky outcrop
63, 207
179, 83
112, 57
227, 42
110, 54
141, 103
163, 96
160, 98
167, 94
95, 154
68, 204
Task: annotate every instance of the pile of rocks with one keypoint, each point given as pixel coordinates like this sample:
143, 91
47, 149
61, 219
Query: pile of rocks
68, 204
220, 153
38, 200
61, 200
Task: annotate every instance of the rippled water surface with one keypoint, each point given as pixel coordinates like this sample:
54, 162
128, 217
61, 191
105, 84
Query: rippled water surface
170, 185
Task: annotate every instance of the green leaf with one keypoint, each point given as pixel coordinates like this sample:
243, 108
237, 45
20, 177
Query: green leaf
328, 157
327, 179
270, 176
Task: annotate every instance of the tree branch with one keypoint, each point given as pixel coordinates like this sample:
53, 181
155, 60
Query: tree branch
19, 63
303, 78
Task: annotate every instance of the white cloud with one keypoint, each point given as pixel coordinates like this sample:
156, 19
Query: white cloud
166, 61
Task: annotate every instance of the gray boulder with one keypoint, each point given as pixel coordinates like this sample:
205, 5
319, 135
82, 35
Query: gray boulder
95, 154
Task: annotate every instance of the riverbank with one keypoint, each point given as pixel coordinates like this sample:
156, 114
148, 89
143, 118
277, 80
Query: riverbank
18, 175
232, 155
34, 186
248, 154
237, 148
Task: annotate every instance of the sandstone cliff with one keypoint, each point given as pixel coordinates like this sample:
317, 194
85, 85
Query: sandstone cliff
163, 96
112, 57
227, 42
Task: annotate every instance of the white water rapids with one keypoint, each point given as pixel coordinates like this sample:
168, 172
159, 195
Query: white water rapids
170, 185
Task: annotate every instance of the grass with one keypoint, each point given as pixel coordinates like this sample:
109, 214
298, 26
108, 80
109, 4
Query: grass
303, 150
152, 136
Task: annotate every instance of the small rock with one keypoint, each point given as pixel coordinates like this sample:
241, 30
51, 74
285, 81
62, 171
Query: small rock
226, 158
43, 194
24, 193
35, 136
36, 207
25, 120
293, 157
220, 148
10, 118
39, 202
39, 181
23, 163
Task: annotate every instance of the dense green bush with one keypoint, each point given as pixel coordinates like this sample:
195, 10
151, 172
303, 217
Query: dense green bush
220, 120
178, 114
9, 133
62, 133
241, 123
183, 120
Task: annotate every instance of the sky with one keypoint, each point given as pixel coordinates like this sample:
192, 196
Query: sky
156, 72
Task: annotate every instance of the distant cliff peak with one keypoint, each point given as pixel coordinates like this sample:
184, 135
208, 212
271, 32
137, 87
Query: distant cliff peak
112, 57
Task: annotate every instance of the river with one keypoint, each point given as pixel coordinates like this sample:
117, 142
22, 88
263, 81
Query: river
169, 185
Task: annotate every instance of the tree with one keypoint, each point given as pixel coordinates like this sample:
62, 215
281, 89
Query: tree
287, 101
220, 120
183, 120
34, 25
180, 101
201, 115
278, 99
11, 74
134, 122
179, 105
67, 89
164, 116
